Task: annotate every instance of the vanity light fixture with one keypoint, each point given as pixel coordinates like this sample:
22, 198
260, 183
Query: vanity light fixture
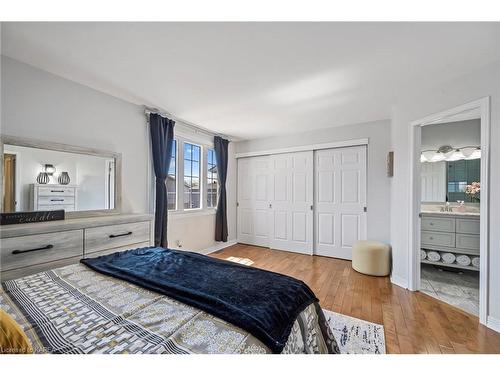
50, 169
449, 153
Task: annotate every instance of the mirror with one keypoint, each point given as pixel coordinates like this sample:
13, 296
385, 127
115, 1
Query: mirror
447, 181
451, 162
44, 176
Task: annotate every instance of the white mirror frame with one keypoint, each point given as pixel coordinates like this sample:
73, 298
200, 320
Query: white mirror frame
53, 146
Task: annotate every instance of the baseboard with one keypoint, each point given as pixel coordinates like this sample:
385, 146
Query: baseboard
218, 246
493, 323
399, 281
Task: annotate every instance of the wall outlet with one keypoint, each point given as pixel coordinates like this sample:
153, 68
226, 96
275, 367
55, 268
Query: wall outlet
179, 243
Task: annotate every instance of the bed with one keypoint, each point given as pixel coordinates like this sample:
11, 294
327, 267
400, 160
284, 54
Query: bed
76, 309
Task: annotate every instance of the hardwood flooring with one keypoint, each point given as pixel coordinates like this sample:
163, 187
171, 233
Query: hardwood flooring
413, 322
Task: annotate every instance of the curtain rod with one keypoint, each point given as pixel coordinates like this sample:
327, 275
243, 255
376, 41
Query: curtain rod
196, 128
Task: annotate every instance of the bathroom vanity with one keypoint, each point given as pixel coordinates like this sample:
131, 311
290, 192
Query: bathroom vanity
450, 232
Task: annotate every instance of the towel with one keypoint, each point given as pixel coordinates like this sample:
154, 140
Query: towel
433, 256
423, 254
463, 260
475, 262
448, 258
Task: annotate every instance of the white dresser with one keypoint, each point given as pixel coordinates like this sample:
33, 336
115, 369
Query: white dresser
53, 197
30, 248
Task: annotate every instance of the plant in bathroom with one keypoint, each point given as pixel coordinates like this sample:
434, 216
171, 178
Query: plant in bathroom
473, 191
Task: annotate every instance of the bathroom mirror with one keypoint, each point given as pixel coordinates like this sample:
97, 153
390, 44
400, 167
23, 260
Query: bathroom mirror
451, 162
46, 176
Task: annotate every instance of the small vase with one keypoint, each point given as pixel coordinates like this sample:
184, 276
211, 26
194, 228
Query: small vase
63, 178
43, 178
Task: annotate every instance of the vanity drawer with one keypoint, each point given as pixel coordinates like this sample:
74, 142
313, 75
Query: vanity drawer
24, 251
56, 201
468, 226
437, 238
111, 236
56, 191
440, 224
468, 241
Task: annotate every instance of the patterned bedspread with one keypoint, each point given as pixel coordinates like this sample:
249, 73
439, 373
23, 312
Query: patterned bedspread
76, 310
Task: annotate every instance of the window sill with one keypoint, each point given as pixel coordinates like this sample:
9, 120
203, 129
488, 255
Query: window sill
191, 213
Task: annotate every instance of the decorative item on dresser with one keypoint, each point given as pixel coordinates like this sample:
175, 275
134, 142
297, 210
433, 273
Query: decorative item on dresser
63, 178
451, 240
53, 197
30, 248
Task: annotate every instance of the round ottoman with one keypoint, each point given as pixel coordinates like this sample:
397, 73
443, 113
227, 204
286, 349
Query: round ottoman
371, 258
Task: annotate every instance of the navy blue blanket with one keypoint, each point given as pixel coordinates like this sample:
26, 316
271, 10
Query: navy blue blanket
263, 303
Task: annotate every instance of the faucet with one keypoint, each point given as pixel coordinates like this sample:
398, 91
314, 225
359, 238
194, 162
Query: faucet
447, 208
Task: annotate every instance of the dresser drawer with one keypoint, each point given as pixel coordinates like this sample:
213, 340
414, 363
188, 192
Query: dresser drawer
67, 208
468, 241
438, 239
439, 224
468, 226
56, 191
56, 201
24, 251
111, 236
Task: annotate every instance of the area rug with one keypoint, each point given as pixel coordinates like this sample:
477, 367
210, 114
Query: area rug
356, 336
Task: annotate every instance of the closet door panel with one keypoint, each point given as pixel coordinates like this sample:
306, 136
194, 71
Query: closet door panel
291, 201
340, 200
253, 201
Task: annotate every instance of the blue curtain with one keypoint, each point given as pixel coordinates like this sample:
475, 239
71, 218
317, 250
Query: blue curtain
220, 147
162, 141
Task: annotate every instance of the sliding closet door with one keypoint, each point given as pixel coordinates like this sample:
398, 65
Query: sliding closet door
340, 200
253, 201
291, 199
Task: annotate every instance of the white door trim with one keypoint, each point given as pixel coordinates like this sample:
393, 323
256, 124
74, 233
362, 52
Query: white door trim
483, 105
317, 146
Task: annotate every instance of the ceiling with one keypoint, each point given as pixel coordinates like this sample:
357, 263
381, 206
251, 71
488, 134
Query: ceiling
251, 80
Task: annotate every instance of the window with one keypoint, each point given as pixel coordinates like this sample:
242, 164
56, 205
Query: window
192, 156
212, 181
172, 180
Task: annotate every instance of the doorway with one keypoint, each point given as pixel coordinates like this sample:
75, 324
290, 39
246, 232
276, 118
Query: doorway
9, 188
443, 228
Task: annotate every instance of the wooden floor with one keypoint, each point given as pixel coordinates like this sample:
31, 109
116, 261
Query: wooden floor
413, 322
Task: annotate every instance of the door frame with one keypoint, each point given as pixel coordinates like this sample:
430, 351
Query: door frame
483, 105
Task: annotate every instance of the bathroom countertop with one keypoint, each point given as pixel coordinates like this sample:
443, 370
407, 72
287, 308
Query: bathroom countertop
454, 213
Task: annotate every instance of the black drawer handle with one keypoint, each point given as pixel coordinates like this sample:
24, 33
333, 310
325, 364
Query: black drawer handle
57, 191
120, 235
29, 250
57, 200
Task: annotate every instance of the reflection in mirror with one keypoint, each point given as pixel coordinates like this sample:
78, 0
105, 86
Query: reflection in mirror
451, 162
38, 179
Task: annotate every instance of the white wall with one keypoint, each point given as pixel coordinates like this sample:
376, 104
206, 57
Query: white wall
40, 105
412, 107
378, 132
456, 134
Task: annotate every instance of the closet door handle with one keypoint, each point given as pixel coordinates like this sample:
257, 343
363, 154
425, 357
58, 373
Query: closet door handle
120, 235
270, 205
30, 250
